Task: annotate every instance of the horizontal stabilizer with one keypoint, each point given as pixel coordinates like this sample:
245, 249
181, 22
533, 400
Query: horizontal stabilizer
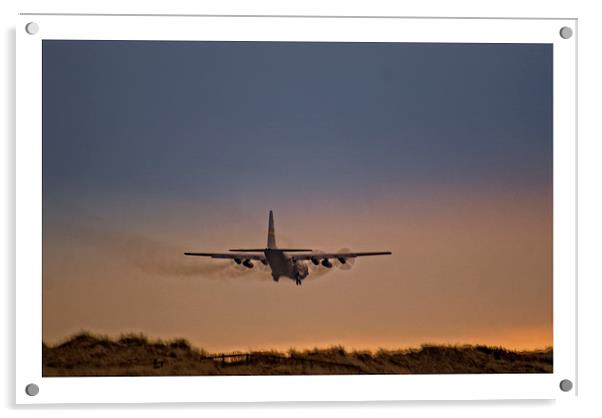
339, 255
260, 250
231, 256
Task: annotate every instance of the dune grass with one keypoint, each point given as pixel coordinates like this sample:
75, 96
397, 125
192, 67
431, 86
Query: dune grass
86, 354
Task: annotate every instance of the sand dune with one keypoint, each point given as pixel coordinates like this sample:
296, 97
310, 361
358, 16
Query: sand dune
134, 355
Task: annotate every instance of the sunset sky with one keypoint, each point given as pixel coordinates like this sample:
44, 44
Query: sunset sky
440, 153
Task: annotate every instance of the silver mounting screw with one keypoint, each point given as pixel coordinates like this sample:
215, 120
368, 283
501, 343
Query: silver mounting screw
32, 28
566, 32
566, 385
32, 389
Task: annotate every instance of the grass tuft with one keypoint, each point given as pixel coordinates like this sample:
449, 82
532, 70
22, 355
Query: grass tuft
133, 354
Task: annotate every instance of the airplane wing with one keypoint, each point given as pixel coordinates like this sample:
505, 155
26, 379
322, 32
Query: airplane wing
232, 256
321, 256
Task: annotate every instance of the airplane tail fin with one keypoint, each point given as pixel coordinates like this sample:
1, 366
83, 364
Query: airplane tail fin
271, 242
271, 232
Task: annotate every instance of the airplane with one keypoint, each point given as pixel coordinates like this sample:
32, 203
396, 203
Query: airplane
287, 262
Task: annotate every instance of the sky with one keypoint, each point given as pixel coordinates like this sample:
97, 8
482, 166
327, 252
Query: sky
440, 153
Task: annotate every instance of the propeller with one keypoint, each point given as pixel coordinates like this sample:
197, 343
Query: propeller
344, 263
259, 270
263, 267
319, 269
316, 267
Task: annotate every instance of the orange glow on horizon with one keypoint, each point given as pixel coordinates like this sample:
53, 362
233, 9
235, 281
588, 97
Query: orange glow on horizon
465, 269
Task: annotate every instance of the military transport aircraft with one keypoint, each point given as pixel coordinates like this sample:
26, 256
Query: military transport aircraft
281, 262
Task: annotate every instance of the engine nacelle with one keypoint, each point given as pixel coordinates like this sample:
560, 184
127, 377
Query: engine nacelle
342, 260
248, 264
301, 269
237, 260
326, 263
315, 261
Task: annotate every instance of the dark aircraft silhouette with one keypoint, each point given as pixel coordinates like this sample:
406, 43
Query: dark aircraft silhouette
281, 263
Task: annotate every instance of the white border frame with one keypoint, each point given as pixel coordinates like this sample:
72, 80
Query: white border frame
287, 388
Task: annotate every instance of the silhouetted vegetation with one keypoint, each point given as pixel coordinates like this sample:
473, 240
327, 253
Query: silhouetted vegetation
86, 354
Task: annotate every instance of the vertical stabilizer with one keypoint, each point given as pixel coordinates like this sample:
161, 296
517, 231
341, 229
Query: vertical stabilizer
271, 232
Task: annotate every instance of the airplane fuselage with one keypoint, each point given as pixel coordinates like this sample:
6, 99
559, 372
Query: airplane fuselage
282, 265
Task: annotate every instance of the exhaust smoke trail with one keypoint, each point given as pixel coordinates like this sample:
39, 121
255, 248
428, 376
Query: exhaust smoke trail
148, 255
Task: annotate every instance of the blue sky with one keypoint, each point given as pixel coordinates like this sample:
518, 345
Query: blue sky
189, 118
